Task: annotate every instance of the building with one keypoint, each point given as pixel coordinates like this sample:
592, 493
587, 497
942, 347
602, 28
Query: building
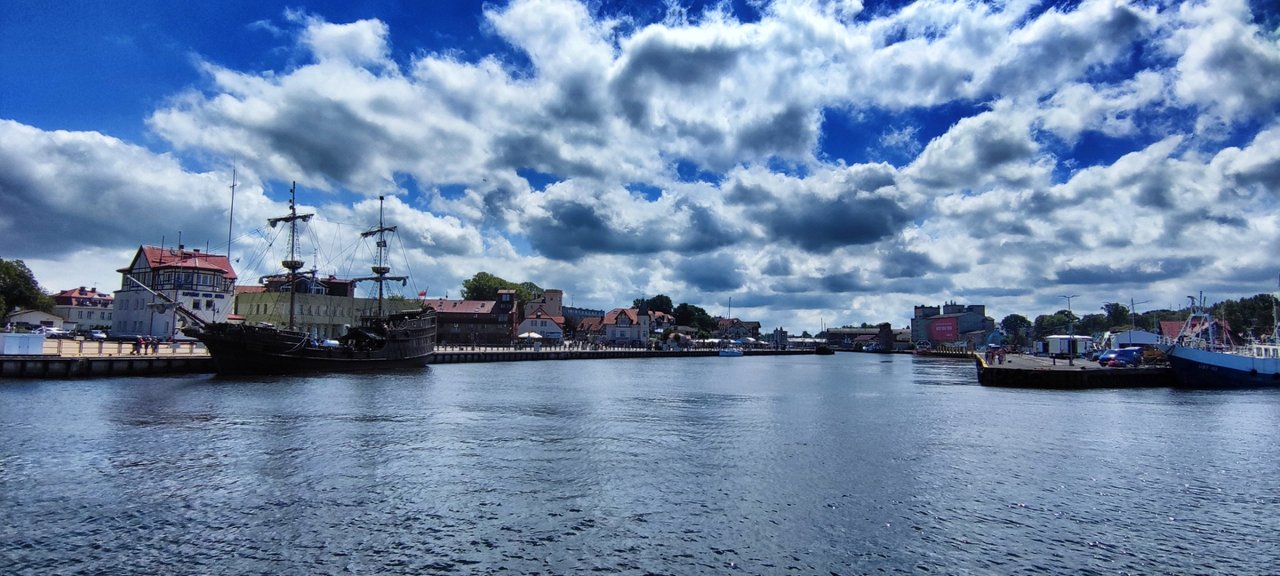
31, 319
202, 283
322, 307
84, 308
951, 324
735, 329
544, 316
475, 322
625, 327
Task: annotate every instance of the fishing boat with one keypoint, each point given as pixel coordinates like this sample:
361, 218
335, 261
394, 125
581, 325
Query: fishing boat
380, 341
1204, 356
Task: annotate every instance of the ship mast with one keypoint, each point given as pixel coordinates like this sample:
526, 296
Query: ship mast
380, 269
292, 264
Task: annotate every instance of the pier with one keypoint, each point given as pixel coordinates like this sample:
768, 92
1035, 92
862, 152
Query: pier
1022, 371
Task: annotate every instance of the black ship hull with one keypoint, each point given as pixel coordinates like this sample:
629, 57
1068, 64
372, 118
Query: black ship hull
404, 341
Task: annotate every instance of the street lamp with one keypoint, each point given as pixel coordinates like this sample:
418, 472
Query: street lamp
1071, 330
1133, 314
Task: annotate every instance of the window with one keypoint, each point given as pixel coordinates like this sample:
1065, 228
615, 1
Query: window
208, 304
195, 304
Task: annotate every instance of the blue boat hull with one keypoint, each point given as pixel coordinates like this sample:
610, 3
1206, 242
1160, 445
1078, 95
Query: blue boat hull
1200, 369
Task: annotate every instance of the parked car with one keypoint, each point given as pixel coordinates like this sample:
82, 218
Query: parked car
96, 335
1121, 358
50, 332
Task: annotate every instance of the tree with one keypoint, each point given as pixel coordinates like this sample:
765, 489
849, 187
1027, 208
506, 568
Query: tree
1050, 324
485, 286
1015, 328
1117, 314
19, 289
1095, 324
1247, 317
659, 303
689, 315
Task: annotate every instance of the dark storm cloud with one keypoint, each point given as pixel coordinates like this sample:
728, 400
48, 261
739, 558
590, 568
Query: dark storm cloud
790, 301
536, 151
845, 282
1143, 272
747, 194
706, 231
997, 292
710, 273
55, 198
821, 225
573, 229
325, 137
1063, 49
579, 100
778, 266
903, 263
791, 132
656, 60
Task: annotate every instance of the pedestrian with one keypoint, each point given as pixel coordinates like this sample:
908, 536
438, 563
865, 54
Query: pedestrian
137, 346
155, 345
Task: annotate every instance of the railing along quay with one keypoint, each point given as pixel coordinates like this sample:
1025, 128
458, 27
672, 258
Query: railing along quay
84, 358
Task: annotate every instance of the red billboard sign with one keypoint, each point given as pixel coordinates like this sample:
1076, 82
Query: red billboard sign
943, 329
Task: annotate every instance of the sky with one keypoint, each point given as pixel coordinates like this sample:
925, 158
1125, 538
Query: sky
808, 163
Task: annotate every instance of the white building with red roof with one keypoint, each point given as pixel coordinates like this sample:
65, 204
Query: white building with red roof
84, 308
203, 283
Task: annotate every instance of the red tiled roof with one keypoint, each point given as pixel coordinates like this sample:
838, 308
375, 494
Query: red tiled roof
74, 296
250, 289
612, 316
443, 305
158, 258
591, 324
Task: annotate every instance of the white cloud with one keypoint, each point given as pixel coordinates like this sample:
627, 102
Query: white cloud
608, 106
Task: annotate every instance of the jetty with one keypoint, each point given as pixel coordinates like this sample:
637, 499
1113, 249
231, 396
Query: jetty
87, 358
1024, 371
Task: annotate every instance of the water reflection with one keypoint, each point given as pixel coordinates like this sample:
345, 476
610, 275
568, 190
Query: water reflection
846, 464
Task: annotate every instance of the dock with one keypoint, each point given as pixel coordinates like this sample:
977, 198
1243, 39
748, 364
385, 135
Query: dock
1023, 371
85, 358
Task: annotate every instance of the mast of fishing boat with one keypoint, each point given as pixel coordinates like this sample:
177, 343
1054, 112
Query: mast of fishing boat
292, 264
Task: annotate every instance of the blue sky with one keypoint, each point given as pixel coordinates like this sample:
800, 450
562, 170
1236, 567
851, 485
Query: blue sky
820, 162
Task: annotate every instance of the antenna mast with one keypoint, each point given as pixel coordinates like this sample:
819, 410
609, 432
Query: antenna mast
232, 215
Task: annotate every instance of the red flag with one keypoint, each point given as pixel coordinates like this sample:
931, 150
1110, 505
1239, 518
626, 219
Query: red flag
422, 294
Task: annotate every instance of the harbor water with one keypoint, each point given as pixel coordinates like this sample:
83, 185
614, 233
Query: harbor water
845, 464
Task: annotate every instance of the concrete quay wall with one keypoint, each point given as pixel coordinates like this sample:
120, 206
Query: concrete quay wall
95, 366
79, 363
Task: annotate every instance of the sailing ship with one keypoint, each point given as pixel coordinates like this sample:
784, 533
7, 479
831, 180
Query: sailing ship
1204, 356
380, 341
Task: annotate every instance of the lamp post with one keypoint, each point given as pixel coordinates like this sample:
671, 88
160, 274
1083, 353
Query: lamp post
1071, 331
1133, 314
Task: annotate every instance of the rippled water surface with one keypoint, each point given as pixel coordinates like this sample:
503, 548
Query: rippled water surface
759, 465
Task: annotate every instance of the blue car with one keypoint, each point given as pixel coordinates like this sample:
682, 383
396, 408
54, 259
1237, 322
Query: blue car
1120, 358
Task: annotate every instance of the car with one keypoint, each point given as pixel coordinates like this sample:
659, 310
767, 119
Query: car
96, 335
1122, 357
50, 332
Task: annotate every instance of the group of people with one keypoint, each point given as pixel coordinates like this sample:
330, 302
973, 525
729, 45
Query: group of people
143, 345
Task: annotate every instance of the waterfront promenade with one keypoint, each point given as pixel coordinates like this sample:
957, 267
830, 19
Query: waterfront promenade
85, 358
